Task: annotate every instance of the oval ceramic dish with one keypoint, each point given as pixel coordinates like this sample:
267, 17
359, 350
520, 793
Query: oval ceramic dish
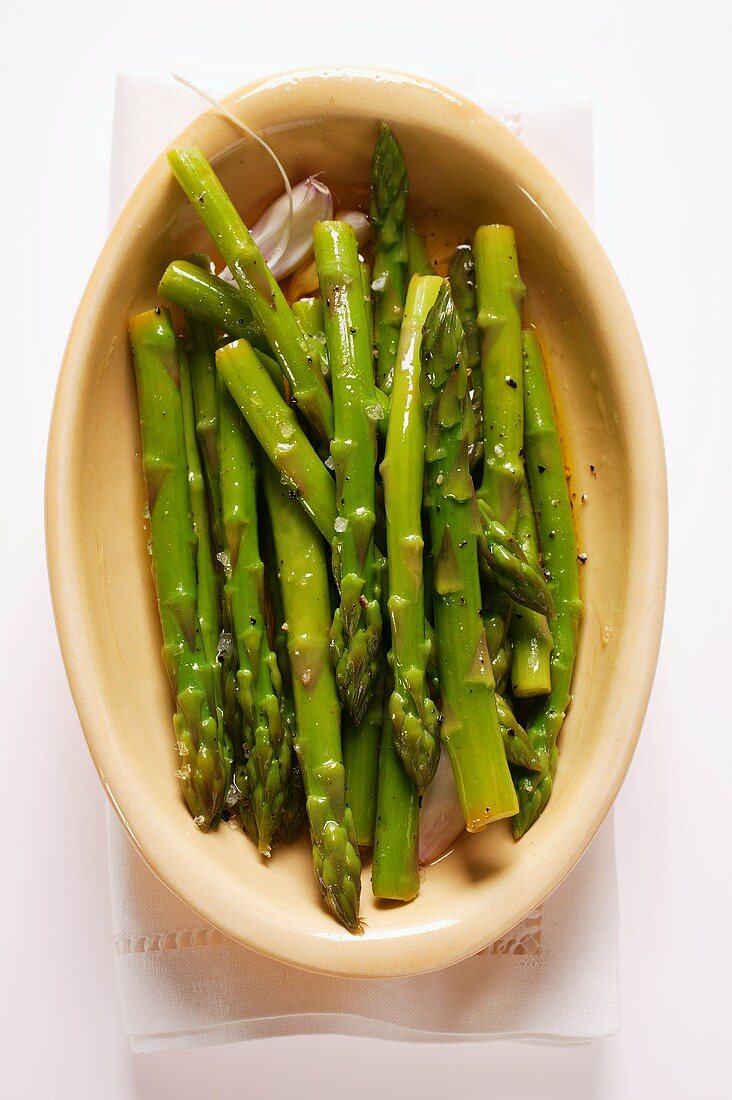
463, 162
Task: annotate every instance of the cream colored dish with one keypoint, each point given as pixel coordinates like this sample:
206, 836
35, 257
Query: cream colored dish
462, 162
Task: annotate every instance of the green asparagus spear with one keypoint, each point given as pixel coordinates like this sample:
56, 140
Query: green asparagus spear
462, 284
257, 285
309, 316
361, 761
496, 620
361, 742
201, 348
516, 741
208, 299
470, 723
414, 715
279, 433
395, 870
368, 297
200, 352
208, 599
356, 630
293, 813
418, 262
501, 659
304, 585
520, 578
259, 684
530, 635
549, 492
499, 294
205, 756
389, 186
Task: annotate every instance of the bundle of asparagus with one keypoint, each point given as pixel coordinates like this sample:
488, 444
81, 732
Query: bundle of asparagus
451, 606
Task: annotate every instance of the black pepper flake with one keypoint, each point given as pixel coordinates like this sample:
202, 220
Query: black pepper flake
583, 498
552, 534
201, 199
158, 311
462, 601
541, 468
252, 620
511, 382
353, 331
582, 558
593, 471
463, 543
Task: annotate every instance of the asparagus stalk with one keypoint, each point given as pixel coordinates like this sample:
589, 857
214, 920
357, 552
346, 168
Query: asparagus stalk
389, 186
258, 286
309, 316
462, 283
499, 296
259, 684
418, 262
516, 741
470, 723
208, 598
414, 715
549, 492
520, 578
208, 299
361, 761
293, 813
205, 756
356, 630
200, 352
501, 659
531, 638
395, 868
279, 433
304, 585
368, 297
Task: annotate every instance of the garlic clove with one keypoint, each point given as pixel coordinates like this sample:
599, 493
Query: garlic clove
441, 820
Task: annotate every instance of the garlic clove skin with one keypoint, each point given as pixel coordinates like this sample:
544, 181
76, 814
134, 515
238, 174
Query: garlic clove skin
312, 202
441, 820
358, 222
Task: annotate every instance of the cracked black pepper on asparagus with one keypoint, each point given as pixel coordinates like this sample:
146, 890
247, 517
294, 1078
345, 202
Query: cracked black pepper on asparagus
361, 533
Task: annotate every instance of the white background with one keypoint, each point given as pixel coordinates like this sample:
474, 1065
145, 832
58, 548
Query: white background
661, 79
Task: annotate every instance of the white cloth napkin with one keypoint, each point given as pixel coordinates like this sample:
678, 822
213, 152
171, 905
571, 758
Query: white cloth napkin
554, 978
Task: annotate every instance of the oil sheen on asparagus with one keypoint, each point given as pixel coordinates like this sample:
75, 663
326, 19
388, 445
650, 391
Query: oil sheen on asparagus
361, 534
